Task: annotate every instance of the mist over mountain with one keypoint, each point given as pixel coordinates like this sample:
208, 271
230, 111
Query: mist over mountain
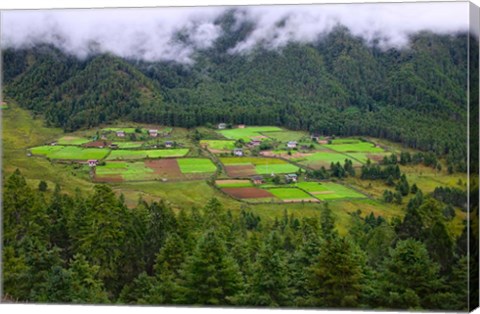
177, 34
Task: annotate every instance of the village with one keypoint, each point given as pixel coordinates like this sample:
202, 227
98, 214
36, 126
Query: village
252, 164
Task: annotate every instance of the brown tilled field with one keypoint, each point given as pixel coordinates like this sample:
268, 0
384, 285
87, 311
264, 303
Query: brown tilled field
98, 144
248, 193
240, 171
167, 168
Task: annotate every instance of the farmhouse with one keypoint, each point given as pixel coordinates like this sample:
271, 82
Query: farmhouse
238, 152
291, 178
120, 133
92, 162
153, 133
257, 180
222, 126
292, 144
53, 143
168, 144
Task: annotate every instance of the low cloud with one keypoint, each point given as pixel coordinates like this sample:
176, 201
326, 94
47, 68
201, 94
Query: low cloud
174, 34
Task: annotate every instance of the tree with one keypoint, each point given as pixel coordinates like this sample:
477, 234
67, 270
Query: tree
42, 186
210, 276
409, 278
336, 277
327, 222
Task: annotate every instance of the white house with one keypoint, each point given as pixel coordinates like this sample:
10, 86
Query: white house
153, 133
291, 178
121, 133
292, 144
92, 162
238, 152
168, 144
222, 126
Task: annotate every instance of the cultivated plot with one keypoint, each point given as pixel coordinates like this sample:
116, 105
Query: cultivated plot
218, 145
69, 152
196, 165
246, 166
292, 195
329, 190
72, 140
123, 154
249, 133
233, 183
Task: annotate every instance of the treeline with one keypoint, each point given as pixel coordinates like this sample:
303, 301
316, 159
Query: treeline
93, 249
339, 85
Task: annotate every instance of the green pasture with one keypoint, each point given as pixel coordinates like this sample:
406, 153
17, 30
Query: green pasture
72, 140
290, 194
286, 136
345, 141
196, 165
128, 144
276, 168
357, 147
121, 154
257, 161
233, 183
130, 171
69, 152
248, 133
126, 130
219, 144
319, 159
329, 190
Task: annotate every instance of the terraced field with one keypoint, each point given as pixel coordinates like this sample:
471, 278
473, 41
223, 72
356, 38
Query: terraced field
329, 190
221, 145
72, 140
196, 165
292, 195
123, 154
248, 133
69, 152
246, 166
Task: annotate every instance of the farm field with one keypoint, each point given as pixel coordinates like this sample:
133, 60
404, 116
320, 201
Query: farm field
329, 190
129, 144
251, 194
324, 159
126, 130
355, 147
223, 145
245, 166
248, 133
292, 195
119, 171
233, 183
286, 135
72, 140
69, 152
196, 165
121, 154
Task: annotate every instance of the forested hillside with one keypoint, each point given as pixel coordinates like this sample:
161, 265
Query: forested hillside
93, 249
337, 85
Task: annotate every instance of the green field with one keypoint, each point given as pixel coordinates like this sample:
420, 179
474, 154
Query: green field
276, 168
196, 165
69, 152
329, 190
126, 130
345, 141
356, 147
129, 171
218, 144
319, 159
286, 136
122, 154
287, 194
72, 140
128, 144
233, 183
248, 133
257, 161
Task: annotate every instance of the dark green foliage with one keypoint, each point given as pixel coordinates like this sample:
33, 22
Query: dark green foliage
42, 186
93, 249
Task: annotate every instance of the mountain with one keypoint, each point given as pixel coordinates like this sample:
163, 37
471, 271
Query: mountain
338, 85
